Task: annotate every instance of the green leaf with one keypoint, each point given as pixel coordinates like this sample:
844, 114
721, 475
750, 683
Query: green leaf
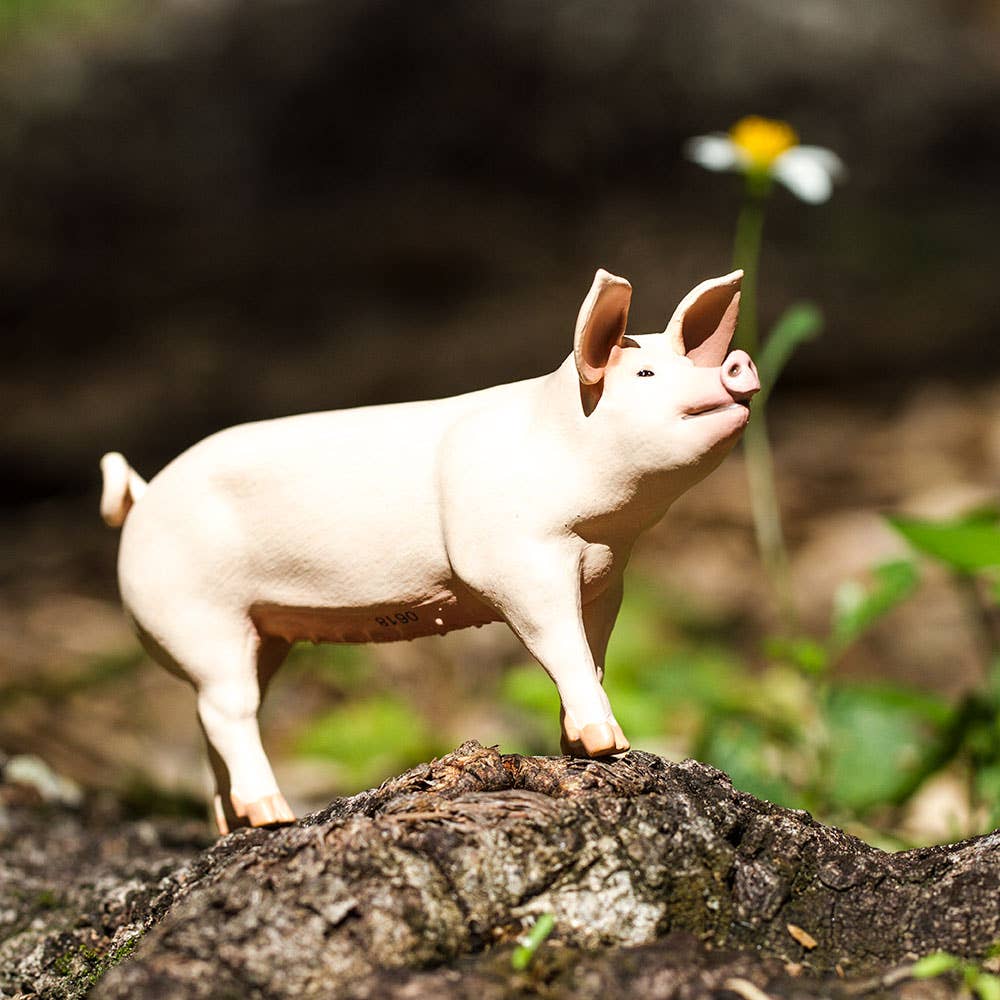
809, 656
878, 739
524, 953
986, 782
987, 986
856, 608
800, 322
966, 545
935, 964
742, 748
704, 676
991, 689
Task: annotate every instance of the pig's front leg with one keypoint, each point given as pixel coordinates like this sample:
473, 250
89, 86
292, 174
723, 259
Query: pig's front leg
599, 616
542, 605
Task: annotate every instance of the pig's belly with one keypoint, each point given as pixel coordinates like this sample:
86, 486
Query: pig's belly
444, 612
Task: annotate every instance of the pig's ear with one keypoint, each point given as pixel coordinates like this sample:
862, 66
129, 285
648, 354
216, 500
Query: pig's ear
600, 325
704, 323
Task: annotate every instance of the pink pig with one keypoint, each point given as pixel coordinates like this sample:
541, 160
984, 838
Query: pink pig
518, 503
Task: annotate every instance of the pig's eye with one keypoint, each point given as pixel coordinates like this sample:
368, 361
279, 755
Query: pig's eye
645, 373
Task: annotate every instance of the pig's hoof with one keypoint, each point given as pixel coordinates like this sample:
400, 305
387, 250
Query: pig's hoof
268, 811
599, 739
569, 738
621, 743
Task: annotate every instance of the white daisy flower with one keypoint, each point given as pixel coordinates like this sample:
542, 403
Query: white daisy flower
765, 149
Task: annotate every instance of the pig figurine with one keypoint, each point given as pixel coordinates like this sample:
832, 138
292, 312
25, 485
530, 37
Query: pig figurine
518, 503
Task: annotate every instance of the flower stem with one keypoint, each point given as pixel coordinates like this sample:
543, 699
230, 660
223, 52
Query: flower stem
756, 446
767, 518
746, 254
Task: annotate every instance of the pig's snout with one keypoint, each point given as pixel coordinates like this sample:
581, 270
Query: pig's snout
739, 375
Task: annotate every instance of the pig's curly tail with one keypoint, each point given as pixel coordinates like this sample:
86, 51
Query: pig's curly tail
123, 486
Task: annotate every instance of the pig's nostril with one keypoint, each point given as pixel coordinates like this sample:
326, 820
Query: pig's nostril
734, 370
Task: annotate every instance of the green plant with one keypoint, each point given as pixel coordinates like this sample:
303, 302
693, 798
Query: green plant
765, 151
800, 322
789, 732
820, 757
532, 941
985, 985
912, 735
969, 547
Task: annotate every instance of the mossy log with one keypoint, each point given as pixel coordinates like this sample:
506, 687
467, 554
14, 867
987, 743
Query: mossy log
385, 892
663, 880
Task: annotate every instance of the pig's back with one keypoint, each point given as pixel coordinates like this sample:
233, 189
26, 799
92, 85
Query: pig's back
324, 509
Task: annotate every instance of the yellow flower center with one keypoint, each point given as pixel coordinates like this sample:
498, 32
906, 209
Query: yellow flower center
763, 139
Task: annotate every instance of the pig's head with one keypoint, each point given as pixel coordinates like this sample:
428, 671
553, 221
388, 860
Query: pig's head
680, 398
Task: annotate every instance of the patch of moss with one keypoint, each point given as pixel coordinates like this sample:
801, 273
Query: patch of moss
85, 966
47, 900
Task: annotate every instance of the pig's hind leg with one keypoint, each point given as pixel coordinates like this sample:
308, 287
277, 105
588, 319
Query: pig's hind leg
229, 664
247, 793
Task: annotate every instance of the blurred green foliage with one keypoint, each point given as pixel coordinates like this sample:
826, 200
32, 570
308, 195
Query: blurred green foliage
372, 733
98, 672
370, 738
977, 980
22, 17
875, 745
967, 545
856, 607
782, 732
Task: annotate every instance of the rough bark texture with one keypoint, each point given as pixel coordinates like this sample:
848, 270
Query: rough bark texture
77, 888
662, 879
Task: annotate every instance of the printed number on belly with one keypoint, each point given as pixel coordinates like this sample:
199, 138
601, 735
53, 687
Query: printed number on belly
403, 618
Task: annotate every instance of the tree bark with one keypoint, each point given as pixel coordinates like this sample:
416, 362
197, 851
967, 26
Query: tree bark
663, 881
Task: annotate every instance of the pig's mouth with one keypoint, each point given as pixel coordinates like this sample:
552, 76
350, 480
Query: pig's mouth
732, 404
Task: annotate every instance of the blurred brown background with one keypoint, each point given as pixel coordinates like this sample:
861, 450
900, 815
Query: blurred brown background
219, 212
